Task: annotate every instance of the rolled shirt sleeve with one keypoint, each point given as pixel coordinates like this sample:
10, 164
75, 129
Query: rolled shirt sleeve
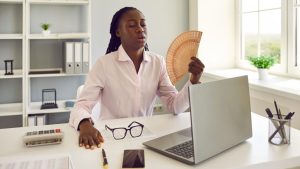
176, 102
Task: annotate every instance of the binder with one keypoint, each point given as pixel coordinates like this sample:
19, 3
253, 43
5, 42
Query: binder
85, 57
78, 57
31, 120
69, 56
41, 120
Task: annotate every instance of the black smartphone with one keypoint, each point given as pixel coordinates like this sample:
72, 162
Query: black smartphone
133, 158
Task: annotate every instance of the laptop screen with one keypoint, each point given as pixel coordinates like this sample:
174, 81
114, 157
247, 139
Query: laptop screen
220, 119
220, 115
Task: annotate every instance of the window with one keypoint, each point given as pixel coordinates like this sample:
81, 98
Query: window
295, 37
269, 27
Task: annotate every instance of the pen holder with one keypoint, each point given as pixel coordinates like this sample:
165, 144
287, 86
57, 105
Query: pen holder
279, 130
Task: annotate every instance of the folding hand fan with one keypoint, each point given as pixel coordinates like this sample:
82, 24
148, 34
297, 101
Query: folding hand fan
180, 52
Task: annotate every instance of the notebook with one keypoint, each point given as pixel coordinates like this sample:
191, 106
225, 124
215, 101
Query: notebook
220, 117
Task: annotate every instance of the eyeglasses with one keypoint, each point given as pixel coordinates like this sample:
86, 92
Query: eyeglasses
135, 129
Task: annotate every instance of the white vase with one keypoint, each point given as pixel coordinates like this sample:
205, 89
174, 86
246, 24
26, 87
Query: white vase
262, 74
46, 32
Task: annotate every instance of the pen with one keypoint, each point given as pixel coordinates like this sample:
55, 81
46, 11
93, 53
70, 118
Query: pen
277, 111
270, 115
284, 139
289, 116
282, 131
105, 164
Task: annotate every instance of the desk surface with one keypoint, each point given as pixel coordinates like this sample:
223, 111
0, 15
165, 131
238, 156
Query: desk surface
256, 152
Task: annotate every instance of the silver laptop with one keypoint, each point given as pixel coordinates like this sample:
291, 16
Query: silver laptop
220, 119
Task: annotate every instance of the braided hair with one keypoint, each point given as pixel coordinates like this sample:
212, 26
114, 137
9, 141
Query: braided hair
115, 41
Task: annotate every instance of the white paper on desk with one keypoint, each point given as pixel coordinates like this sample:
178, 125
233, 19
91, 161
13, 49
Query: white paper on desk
107, 134
55, 161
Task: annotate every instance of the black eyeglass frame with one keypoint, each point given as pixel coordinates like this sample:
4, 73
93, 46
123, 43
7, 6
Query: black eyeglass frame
126, 129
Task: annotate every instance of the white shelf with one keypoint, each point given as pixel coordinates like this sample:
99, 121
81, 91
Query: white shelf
34, 111
54, 75
11, 109
11, 1
61, 2
60, 36
35, 108
11, 36
17, 74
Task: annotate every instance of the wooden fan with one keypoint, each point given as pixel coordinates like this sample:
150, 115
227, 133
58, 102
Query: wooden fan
180, 52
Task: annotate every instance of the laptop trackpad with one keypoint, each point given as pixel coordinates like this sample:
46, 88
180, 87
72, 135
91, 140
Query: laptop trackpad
170, 140
186, 132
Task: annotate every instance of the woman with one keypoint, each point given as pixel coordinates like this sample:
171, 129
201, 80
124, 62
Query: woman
128, 79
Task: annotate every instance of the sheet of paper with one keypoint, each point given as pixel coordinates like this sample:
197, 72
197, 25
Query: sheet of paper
55, 161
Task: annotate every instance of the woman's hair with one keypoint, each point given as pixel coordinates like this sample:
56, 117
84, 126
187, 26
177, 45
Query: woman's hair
115, 41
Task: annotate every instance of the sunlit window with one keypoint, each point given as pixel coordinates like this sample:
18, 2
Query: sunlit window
271, 28
261, 28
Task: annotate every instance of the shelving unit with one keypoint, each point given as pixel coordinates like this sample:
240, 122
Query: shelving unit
70, 21
47, 52
12, 42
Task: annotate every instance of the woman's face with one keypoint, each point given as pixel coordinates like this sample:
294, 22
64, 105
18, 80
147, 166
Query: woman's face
132, 30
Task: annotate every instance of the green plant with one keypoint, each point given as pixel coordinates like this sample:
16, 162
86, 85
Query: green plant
262, 62
45, 26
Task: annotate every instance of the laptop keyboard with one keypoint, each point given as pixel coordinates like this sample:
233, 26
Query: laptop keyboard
184, 149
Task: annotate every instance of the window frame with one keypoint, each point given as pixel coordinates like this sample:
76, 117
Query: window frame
292, 35
288, 41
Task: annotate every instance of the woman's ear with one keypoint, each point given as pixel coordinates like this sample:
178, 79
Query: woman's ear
118, 33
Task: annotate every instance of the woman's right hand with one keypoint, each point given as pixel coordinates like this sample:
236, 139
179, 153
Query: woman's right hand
89, 136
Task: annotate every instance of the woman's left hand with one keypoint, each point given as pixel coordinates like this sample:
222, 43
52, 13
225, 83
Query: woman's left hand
196, 67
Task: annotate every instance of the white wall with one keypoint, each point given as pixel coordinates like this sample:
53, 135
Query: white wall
216, 19
165, 20
260, 100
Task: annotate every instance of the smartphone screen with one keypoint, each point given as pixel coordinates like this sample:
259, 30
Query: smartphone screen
133, 159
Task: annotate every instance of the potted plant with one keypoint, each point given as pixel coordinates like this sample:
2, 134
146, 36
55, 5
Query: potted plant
262, 63
45, 27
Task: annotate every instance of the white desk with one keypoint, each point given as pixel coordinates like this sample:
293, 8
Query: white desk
254, 153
